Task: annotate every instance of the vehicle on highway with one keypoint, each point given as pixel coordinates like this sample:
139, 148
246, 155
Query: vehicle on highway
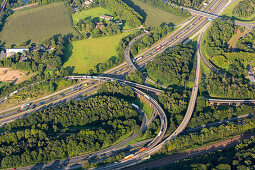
143, 148
160, 133
159, 47
135, 106
129, 156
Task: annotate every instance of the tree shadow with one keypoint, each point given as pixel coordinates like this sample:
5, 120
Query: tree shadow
68, 51
137, 9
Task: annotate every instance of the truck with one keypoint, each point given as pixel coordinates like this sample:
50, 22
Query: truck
142, 149
210, 19
95, 77
160, 133
135, 106
129, 156
147, 97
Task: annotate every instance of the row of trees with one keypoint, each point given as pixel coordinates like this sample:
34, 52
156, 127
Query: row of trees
208, 135
204, 113
122, 10
174, 64
245, 8
88, 28
239, 157
92, 124
190, 3
172, 8
147, 41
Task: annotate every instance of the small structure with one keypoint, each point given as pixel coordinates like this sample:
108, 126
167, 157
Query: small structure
12, 51
119, 22
99, 25
88, 2
3, 55
106, 17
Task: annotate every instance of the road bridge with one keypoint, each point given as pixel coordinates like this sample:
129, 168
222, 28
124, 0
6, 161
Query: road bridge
229, 101
140, 86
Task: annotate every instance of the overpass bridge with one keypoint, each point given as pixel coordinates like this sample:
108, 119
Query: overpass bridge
101, 78
229, 101
214, 16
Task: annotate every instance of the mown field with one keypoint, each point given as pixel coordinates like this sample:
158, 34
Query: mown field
85, 54
90, 13
37, 24
155, 16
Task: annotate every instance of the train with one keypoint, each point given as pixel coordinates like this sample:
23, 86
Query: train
129, 156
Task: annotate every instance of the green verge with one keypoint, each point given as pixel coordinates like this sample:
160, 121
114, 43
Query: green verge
154, 16
229, 12
37, 24
83, 55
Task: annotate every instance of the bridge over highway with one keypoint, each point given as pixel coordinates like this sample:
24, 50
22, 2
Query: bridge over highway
229, 101
140, 86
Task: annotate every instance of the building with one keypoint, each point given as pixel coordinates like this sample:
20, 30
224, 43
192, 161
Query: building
3, 55
119, 22
12, 51
99, 25
88, 2
106, 17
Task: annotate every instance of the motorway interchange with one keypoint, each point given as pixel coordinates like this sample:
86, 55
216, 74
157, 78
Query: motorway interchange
72, 93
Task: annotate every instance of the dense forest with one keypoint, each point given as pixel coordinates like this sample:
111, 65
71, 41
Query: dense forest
218, 36
246, 43
122, 10
217, 85
68, 130
174, 64
172, 8
233, 61
239, 157
245, 8
175, 103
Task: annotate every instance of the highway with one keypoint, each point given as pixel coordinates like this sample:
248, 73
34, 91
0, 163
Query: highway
155, 144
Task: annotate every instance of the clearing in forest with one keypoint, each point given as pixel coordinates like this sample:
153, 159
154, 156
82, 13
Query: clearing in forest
85, 54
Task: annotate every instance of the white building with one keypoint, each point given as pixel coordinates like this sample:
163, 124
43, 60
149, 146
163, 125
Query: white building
12, 51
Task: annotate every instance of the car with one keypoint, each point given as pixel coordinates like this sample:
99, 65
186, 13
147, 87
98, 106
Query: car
19, 111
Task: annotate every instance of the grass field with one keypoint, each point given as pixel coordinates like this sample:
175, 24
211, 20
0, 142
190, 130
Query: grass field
36, 24
229, 12
155, 16
85, 54
90, 13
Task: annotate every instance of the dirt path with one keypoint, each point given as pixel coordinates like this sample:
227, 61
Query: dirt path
239, 34
192, 152
26, 6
